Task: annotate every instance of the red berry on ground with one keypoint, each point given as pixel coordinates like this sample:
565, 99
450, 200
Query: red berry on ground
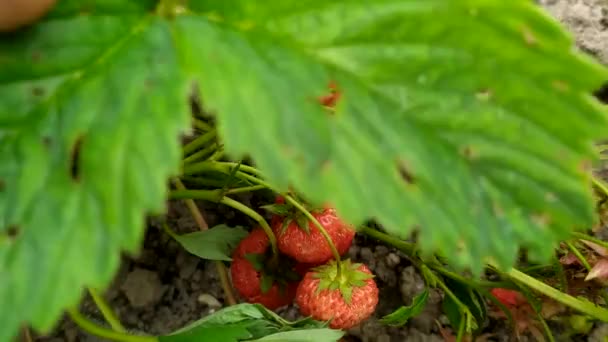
308, 245
510, 298
247, 278
346, 300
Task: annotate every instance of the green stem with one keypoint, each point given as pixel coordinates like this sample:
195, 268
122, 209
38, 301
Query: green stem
204, 166
207, 195
215, 196
106, 311
406, 247
104, 333
200, 141
410, 249
599, 184
200, 154
320, 227
578, 255
245, 168
169, 231
245, 189
590, 238
584, 307
200, 181
219, 153
291, 200
202, 125
461, 328
224, 167
257, 217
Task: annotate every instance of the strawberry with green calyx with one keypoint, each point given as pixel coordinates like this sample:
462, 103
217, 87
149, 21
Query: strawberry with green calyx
341, 292
299, 237
259, 280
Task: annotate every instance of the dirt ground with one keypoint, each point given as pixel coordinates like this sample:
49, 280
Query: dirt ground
164, 287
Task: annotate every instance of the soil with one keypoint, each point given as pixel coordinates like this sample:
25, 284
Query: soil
164, 287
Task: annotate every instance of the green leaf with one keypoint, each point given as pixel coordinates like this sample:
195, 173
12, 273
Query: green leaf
469, 119
310, 335
90, 121
470, 298
257, 322
216, 243
400, 316
228, 333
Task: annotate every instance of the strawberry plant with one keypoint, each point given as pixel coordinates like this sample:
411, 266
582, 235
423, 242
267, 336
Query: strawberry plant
469, 122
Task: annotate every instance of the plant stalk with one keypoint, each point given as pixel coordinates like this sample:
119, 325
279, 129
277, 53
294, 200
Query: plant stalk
104, 333
198, 142
202, 225
584, 307
106, 311
256, 217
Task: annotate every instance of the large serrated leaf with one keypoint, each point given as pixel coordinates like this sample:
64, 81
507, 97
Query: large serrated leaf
93, 121
465, 118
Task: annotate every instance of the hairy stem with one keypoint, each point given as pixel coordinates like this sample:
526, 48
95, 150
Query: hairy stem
245, 189
590, 238
106, 311
599, 184
410, 249
320, 227
200, 154
192, 207
256, 217
584, 307
578, 255
198, 142
202, 125
104, 333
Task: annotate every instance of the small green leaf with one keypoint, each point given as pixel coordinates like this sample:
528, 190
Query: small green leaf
309, 335
212, 333
256, 260
266, 282
254, 320
278, 209
216, 243
452, 311
259, 319
302, 222
400, 316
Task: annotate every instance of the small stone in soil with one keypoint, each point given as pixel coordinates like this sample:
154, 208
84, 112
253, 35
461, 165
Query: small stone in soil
392, 260
187, 264
142, 288
209, 300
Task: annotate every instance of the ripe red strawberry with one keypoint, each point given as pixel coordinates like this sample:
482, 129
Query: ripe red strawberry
509, 298
346, 300
300, 239
255, 283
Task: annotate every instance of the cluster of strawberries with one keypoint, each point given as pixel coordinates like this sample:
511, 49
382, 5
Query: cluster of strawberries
324, 288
